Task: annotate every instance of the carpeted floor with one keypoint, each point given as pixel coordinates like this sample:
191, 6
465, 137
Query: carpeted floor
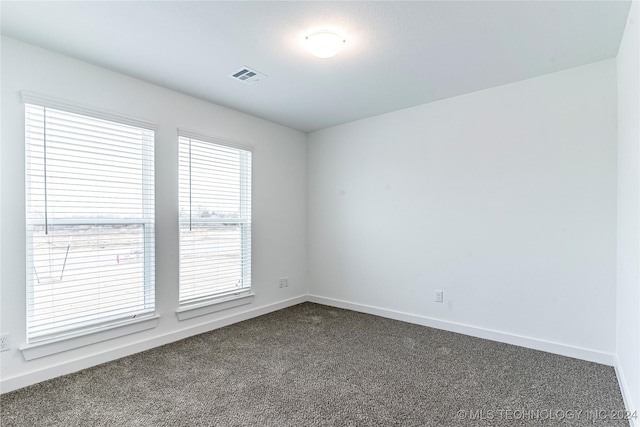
312, 365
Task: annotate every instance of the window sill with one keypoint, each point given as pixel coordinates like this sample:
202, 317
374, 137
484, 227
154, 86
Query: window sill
213, 306
58, 345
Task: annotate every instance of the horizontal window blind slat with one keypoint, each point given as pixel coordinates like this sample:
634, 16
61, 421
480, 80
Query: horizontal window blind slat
80, 291
66, 137
86, 305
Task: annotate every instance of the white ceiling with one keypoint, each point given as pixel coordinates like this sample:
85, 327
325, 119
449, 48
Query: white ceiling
399, 54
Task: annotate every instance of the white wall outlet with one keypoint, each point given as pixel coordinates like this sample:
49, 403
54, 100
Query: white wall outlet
4, 342
439, 295
284, 282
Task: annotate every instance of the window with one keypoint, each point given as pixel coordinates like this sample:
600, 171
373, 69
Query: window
90, 222
215, 219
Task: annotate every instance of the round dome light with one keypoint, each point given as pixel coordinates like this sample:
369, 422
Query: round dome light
324, 44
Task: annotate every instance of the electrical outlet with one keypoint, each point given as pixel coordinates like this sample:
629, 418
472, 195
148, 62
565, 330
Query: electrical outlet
284, 282
439, 295
4, 342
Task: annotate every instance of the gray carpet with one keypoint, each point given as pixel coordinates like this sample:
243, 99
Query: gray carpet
312, 365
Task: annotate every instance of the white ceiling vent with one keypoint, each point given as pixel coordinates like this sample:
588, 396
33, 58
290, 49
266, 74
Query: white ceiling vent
247, 76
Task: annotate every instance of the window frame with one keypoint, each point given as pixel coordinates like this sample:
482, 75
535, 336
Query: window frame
192, 307
107, 327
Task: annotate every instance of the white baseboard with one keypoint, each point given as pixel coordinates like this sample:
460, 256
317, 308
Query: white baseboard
493, 335
70, 366
626, 394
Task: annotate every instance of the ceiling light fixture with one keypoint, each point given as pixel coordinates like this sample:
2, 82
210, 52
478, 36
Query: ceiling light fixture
324, 44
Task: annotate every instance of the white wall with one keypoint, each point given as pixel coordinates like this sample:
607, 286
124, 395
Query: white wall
504, 198
628, 288
279, 201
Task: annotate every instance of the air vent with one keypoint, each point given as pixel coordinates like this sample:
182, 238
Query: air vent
247, 76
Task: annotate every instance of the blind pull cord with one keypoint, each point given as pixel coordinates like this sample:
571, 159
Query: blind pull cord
44, 151
190, 185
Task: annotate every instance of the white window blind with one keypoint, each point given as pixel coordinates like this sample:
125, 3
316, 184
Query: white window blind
215, 219
90, 222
